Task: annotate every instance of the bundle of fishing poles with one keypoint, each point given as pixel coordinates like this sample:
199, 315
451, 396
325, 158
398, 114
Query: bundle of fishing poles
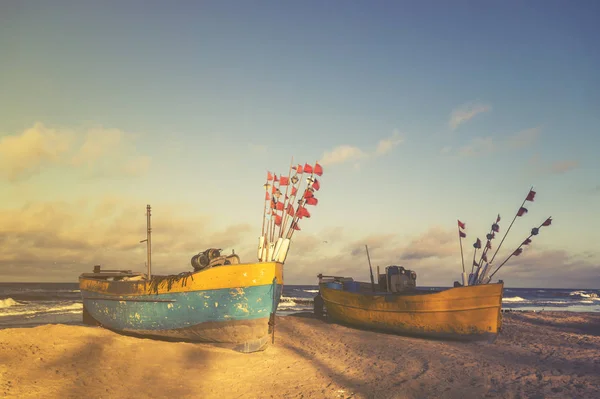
479, 270
280, 217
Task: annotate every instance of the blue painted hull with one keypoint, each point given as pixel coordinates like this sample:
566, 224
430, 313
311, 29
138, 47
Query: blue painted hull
229, 315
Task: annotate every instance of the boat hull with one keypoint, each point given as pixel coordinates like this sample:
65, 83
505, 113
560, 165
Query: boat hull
224, 304
472, 312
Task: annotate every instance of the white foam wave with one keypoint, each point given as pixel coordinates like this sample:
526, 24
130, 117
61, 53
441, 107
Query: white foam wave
584, 294
39, 310
8, 302
514, 299
312, 291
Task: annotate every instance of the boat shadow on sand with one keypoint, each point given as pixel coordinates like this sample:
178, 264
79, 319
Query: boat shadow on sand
489, 338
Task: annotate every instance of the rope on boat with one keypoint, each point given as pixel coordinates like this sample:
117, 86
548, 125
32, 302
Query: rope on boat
158, 281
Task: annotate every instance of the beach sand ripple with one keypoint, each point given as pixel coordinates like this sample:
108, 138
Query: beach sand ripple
538, 355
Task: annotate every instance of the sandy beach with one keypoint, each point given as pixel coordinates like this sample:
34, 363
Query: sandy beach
538, 355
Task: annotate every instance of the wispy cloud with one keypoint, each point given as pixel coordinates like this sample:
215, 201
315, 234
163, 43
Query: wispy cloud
480, 146
541, 167
466, 112
347, 153
524, 138
558, 167
97, 152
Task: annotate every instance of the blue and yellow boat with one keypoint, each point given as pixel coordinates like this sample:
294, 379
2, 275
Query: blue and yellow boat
226, 304
222, 301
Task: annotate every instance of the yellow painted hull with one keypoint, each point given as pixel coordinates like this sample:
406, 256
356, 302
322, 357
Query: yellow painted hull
472, 312
221, 277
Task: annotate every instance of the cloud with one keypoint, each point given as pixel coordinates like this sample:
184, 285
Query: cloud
437, 242
466, 112
480, 146
435, 256
58, 240
524, 138
25, 154
342, 154
541, 167
96, 152
563, 166
347, 153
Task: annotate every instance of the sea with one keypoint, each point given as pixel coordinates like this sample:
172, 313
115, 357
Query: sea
31, 304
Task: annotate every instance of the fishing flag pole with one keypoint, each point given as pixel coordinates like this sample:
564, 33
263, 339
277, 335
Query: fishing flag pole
476, 246
520, 212
296, 182
461, 235
283, 180
489, 236
312, 185
371, 269
534, 232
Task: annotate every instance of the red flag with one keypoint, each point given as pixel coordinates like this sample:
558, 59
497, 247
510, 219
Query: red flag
267, 196
275, 179
518, 252
308, 168
461, 224
488, 245
294, 191
318, 169
530, 196
273, 202
462, 234
284, 181
308, 194
477, 244
269, 176
279, 206
316, 185
498, 219
302, 212
273, 190
278, 219
295, 226
484, 257
299, 169
290, 210
548, 222
522, 211
312, 201
527, 241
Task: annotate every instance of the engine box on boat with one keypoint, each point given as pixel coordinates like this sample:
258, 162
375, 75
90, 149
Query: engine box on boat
400, 279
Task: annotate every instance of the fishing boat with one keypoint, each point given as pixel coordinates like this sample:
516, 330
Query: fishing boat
471, 312
222, 300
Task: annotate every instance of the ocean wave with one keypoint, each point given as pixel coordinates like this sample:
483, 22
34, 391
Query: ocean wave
60, 308
311, 291
584, 294
8, 302
514, 299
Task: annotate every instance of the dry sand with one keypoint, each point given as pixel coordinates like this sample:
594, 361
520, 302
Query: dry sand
538, 355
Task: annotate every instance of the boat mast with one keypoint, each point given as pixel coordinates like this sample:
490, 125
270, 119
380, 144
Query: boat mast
149, 240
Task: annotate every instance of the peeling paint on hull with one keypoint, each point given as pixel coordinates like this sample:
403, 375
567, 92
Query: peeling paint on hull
234, 314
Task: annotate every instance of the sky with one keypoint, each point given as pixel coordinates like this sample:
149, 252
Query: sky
421, 113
